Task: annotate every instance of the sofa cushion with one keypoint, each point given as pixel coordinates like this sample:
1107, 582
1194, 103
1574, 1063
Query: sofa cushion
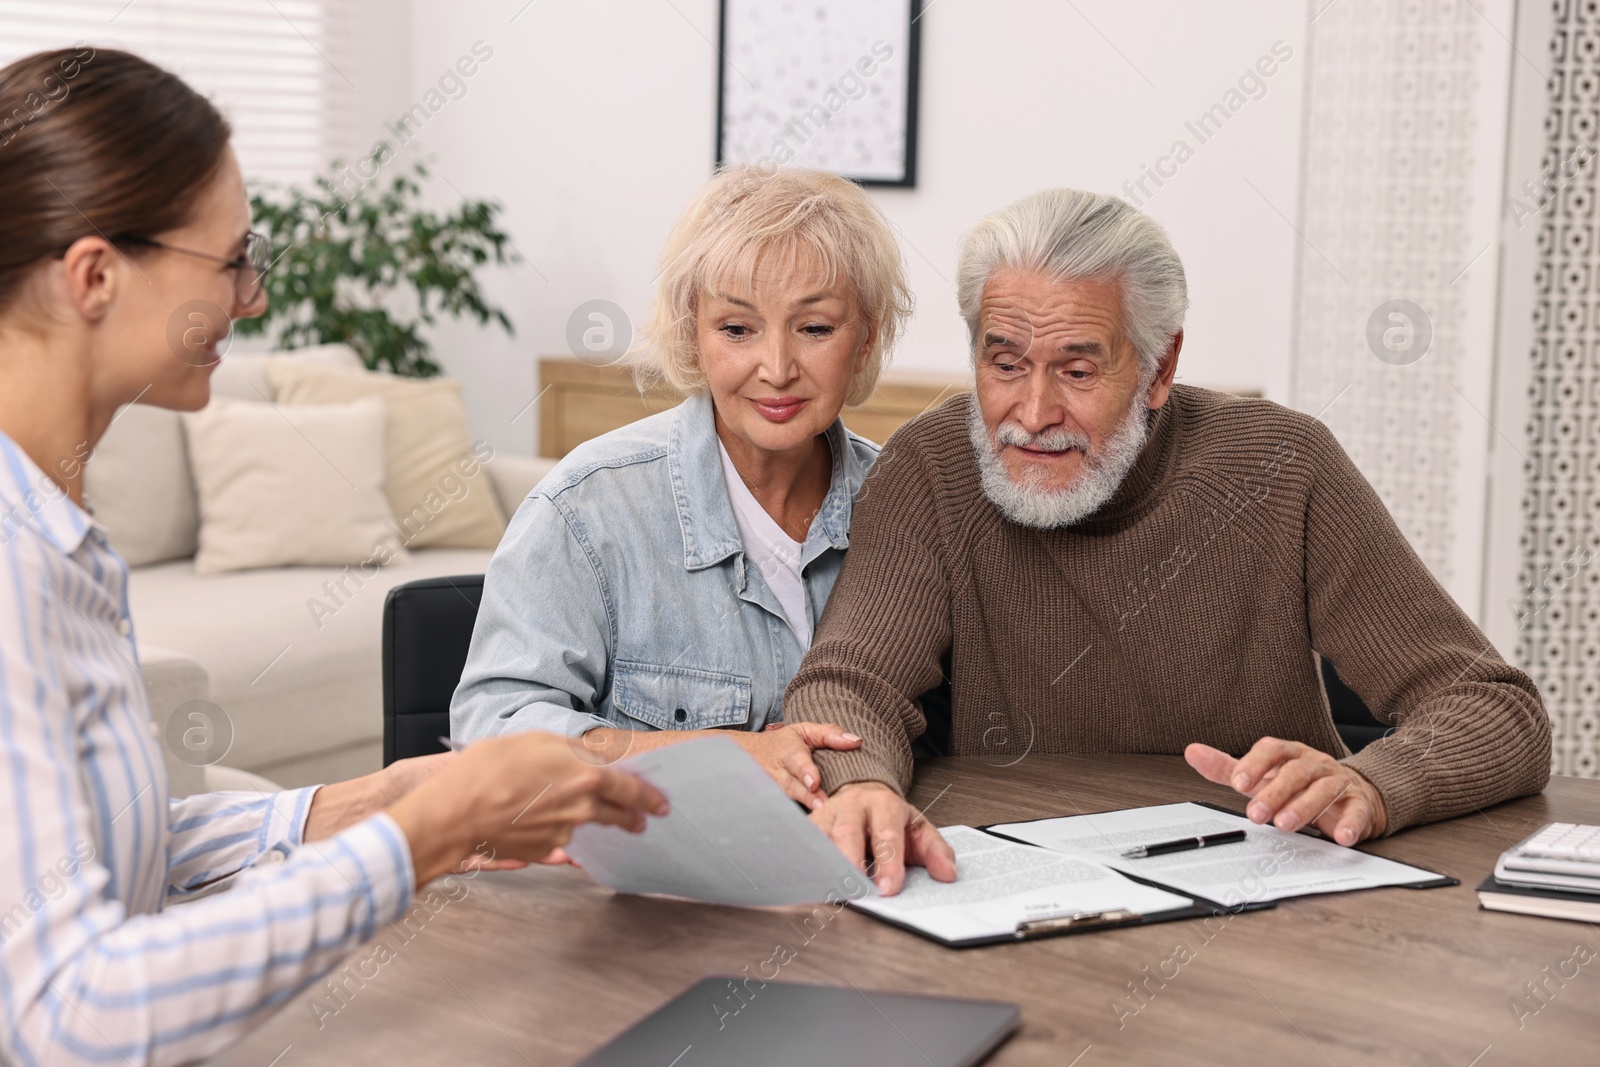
283, 485
515, 477
437, 488
244, 376
139, 481
141, 488
293, 654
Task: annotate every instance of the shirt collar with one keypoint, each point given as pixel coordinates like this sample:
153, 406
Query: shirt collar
29, 497
705, 514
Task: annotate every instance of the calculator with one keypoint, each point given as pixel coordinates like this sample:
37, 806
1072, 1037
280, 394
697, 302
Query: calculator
1561, 855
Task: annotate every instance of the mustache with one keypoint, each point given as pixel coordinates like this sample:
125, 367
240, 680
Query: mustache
1057, 440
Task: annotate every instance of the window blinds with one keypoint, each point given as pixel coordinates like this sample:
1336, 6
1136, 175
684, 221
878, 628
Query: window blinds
281, 70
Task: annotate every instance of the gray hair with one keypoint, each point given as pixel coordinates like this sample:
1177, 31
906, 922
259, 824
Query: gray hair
1069, 233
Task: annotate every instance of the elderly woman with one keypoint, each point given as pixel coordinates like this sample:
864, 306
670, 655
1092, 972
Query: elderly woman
665, 578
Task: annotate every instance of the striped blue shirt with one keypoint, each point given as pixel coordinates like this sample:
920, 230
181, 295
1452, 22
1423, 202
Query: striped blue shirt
94, 967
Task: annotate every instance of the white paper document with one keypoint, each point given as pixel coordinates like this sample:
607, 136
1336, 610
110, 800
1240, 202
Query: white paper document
1000, 884
733, 837
1268, 865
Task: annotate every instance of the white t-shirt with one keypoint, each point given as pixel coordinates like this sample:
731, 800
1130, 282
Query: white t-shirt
774, 553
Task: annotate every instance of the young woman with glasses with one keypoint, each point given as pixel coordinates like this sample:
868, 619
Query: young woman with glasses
123, 209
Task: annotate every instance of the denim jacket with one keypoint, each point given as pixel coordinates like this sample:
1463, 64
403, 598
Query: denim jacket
620, 595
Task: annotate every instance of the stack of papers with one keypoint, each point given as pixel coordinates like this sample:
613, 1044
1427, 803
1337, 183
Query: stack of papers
1001, 885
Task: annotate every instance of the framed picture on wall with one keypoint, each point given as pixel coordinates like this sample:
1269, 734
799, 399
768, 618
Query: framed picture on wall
826, 84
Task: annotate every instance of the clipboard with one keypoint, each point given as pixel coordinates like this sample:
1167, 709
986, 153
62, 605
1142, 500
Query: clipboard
1061, 925
1091, 922
1082, 922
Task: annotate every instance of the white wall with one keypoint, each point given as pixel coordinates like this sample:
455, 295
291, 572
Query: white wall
380, 68
594, 122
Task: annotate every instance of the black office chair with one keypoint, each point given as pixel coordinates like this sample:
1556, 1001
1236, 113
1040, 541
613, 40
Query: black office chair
427, 630
1356, 725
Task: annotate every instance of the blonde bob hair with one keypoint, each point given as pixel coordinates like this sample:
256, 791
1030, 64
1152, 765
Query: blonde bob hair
746, 213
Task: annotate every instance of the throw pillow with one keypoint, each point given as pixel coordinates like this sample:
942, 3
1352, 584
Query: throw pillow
244, 374
281, 485
138, 483
439, 491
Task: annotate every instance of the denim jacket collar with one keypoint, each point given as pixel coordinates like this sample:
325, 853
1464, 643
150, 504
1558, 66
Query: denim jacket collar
705, 514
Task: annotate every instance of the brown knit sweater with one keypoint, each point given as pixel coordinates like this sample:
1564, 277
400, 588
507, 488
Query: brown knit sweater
1190, 608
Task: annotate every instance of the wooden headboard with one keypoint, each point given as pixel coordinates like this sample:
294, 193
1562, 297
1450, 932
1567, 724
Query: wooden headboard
579, 400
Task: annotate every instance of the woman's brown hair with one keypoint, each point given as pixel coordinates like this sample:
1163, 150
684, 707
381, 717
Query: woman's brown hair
96, 142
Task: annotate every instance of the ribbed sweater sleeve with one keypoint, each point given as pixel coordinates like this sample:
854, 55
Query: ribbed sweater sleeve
884, 631
1470, 729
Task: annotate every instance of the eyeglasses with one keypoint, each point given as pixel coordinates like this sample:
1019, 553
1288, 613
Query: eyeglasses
250, 268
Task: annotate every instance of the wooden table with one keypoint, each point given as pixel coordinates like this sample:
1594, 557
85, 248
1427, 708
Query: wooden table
541, 966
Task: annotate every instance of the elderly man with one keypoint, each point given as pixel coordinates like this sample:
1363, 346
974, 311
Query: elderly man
1112, 563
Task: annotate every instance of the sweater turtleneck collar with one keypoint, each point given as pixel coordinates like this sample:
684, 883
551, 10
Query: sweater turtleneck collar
1145, 482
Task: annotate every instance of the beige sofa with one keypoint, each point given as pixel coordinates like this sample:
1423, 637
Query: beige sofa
302, 692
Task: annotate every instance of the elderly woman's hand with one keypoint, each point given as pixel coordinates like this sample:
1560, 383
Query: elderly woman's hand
784, 752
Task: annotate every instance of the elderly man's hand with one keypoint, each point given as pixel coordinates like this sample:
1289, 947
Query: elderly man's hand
880, 833
1294, 785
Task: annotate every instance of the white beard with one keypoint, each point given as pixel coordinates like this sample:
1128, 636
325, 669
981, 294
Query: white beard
1031, 504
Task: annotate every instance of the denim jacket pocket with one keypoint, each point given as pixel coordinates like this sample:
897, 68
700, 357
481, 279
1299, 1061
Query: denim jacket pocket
679, 698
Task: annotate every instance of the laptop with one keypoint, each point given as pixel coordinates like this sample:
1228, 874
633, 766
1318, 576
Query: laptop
744, 1022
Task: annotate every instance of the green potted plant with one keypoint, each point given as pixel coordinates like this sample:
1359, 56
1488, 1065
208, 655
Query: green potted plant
371, 267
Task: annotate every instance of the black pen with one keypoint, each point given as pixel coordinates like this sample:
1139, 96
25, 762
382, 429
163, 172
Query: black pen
1184, 844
